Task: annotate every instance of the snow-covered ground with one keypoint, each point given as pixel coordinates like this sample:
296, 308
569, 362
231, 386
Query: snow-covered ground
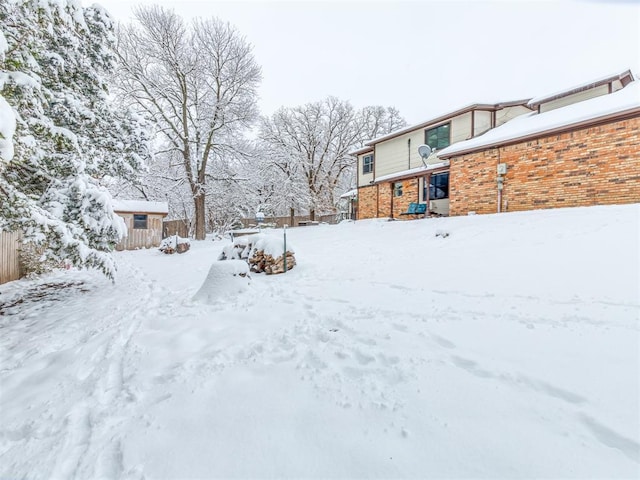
507, 349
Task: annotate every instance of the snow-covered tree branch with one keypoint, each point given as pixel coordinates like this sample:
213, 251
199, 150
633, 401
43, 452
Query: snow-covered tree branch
307, 147
198, 83
69, 134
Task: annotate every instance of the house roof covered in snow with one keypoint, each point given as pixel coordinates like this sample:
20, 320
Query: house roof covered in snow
615, 106
360, 150
140, 206
625, 78
350, 194
414, 172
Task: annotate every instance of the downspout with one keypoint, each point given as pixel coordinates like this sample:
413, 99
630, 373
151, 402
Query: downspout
409, 153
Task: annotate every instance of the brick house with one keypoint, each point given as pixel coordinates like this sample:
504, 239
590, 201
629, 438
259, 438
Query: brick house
580, 147
391, 173
575, 147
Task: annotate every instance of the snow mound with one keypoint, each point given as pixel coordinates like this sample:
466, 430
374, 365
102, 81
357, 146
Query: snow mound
224, 279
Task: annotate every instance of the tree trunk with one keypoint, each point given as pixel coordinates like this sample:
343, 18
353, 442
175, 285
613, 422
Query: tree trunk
200, 216
312, 215
292, 217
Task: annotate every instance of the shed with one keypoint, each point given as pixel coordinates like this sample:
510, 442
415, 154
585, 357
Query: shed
144, 222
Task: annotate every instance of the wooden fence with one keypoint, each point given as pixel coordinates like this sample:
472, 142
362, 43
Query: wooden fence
281, 221
10, 256
175, 227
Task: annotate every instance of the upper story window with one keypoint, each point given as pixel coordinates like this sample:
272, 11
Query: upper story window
439, 137
140, 222
367, 164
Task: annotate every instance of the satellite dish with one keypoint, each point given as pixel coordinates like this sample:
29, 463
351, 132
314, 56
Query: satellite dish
424, 151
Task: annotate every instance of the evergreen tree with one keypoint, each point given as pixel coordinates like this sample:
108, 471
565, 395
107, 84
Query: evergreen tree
70, 135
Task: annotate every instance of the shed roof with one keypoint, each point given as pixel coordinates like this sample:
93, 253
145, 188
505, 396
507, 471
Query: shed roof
620, 104
140, 206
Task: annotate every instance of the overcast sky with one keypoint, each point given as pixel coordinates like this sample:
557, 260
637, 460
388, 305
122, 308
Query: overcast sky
423, 57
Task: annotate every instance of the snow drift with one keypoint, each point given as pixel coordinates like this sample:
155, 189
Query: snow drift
224, 279
508, 349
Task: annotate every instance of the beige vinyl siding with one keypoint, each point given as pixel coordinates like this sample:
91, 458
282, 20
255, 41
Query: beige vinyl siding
365, 179
394, 155
441, 207
481, 122
141, 238
575, 98
509, 113
9, 257
461, 128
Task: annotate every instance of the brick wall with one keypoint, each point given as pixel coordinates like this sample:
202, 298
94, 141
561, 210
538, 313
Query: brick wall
409, 195
377, 201
593, 166
385, 193
367, 202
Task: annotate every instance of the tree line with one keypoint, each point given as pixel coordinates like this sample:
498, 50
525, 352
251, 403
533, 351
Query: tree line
161, 109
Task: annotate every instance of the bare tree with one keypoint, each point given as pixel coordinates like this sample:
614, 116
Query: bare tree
197, 82
379, 121
309, 145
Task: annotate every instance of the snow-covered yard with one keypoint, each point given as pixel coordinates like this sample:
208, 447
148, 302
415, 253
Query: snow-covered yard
508, 349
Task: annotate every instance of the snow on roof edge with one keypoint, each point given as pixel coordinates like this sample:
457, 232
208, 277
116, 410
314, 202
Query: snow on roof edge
411, 172
350, 194
143, 206
578, 88
360, 150
617, 103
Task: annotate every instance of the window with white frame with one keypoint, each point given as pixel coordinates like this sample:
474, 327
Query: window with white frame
367, 164
397, 189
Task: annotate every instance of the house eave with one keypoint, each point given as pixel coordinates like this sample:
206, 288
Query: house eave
361, 150
491, 107
625, 77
